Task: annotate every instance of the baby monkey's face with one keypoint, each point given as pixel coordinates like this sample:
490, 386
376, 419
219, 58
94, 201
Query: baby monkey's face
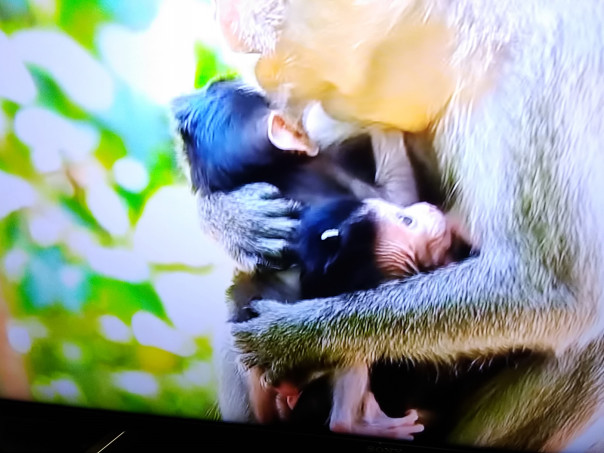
411, 239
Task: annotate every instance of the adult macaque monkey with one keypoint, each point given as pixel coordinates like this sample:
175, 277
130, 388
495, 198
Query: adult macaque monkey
512, 95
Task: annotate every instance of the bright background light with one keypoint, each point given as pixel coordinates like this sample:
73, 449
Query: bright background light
114, 294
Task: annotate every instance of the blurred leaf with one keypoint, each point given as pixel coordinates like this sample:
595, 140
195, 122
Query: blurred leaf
12, 230
14, 11
15, 158
76, 206
50, 95
177, 267
156, 360
136, 203
110, 149
136, 403
14, 155
163, 169
50, 281
209, 65
204, 347
9, 107
193, 403
79, 18
100, 357
47, 357
124, 299
141, 124
135, 14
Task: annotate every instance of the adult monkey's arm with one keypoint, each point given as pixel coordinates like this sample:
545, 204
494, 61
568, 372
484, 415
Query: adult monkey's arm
469, 309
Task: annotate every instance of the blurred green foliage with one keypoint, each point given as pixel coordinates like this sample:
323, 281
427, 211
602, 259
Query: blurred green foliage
208, 65
72, 314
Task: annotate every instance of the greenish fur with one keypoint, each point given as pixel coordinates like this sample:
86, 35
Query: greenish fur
524, 168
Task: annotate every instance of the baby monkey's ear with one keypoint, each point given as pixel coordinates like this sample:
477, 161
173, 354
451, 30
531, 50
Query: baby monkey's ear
287, 136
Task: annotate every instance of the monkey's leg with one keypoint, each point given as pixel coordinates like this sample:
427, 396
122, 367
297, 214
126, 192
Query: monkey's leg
263, 398
539, 406
375, 422
233, 390
349, 388
356, 411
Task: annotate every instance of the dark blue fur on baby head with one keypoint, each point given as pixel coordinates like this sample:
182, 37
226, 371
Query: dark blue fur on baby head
224, 132
334, 263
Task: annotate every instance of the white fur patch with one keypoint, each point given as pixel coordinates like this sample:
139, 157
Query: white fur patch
322, 129
330, 234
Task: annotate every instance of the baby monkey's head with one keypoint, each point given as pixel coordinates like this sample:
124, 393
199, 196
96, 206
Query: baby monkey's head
348, 245
409, 240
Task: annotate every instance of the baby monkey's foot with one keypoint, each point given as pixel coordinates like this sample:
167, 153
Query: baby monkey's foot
374, 422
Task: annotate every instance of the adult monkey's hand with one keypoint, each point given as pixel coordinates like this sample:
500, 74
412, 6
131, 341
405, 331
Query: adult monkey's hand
254, 224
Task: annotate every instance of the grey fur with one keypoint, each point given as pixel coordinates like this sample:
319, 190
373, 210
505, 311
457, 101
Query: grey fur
254, 223
524, 168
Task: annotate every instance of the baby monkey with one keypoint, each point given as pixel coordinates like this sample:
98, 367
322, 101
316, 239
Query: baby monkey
348, 238
345, 245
